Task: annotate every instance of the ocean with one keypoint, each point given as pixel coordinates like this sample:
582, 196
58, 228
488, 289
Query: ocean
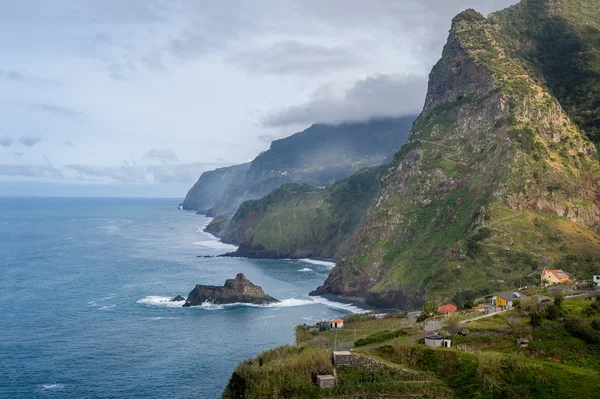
84, 310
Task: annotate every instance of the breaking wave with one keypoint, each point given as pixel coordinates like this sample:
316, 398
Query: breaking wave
155, 300
165, 301
325, 263
306, 269
53, 386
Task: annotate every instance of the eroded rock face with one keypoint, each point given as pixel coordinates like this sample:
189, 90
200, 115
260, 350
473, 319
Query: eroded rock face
178, 298
237, 290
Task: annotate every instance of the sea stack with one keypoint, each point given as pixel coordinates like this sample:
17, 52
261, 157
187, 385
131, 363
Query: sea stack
237, 290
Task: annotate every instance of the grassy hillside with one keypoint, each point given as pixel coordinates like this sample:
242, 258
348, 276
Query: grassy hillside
298, 220
496, 182
561, 361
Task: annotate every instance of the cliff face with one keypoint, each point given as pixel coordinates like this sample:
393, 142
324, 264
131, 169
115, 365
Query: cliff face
320, 155
238, 290
298, 220
211, 187
495, 182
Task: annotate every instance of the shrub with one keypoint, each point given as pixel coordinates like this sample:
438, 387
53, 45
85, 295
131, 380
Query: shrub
558, 300
452, 321
489, 369
579, 329
529, 305
596, 325
554, 312
404, 351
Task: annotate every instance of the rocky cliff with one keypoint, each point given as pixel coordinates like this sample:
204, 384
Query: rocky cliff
299, 221
237, 290
211, 187
320, 155
495, 182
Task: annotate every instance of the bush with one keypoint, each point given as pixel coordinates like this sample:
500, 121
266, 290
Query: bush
489, 369
554, 312
596, 325
558, 300
579, 329
404, 351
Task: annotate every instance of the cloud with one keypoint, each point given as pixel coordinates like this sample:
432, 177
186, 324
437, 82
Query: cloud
19, 154
292, 56
13, 75
29, 141
133, 173
31, 171
69, 143
163, 156
6, 141
65, 112
376, 96
268, 138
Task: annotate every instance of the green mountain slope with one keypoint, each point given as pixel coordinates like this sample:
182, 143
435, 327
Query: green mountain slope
299, 220
320, 155
496, 181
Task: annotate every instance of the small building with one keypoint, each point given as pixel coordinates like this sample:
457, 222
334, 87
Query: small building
337, 323
505, 300
434, 341
447, 309
447, 343
342, 358
554, 276
596, 280
324, 326
326, 381
522, 342
584, 285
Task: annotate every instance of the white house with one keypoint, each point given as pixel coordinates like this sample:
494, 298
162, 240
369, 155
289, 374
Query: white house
337, 323
597, 279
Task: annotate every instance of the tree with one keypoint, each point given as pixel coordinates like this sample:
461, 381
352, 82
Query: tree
430, 307
558, 300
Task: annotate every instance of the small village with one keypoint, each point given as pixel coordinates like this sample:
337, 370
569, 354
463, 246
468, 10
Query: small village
509, 318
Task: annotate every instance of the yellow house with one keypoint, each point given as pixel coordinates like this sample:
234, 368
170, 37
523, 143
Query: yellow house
556, 276
504, 300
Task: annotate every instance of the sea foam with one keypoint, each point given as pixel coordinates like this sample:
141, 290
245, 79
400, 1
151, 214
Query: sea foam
53, 386
214, 244
325, 263
306, 269
165, 301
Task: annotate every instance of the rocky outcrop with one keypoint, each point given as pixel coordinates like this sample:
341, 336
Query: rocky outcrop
178, 298
494, 169
237, 290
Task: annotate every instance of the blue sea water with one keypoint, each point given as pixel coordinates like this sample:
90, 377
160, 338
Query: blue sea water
84, 311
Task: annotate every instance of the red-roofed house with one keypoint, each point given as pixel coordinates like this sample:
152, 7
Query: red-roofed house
556, 276
446, 309
337, 323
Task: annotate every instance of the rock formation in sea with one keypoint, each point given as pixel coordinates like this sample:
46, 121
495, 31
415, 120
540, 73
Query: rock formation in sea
237, 290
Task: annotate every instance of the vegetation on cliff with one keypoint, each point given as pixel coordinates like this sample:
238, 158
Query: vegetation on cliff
496, 181
320, 155
560, 360
298, 220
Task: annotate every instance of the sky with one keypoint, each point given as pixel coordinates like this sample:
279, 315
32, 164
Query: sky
139, 97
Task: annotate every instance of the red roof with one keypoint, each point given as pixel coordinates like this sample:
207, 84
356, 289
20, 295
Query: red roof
558, 273
337, 321
449, 308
